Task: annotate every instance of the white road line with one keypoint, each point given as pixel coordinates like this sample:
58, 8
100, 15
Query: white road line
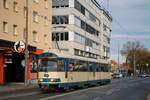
18, 95
97, 98
56, 96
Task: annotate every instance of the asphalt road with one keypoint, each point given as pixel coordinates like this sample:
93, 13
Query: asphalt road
118, 89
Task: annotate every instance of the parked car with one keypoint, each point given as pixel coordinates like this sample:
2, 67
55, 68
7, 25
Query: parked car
124, 74
116, 75
148, 75
142, 75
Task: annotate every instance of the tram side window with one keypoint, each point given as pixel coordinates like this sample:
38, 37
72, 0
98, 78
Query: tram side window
82, 66
92, 66
79, 66
91, 69
102, 68
60, 66
72, 66
106, 68
97, 67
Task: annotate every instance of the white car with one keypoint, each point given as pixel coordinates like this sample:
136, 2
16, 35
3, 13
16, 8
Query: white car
120, 75
117, 75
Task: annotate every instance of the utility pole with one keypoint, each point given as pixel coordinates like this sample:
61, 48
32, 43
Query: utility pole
26, 50
134, 65
118, 56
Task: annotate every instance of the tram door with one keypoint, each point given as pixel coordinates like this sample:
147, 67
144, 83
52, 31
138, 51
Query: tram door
66, 63
63, 66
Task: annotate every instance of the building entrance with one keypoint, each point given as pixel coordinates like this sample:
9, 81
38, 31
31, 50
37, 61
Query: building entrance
14, 68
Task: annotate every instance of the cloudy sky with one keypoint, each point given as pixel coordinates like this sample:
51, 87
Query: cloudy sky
131, 21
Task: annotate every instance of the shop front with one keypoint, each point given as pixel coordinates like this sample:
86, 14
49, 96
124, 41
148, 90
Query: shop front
12, 63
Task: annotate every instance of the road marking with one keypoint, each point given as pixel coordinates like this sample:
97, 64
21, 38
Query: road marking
56, 96
18, 95
97, 98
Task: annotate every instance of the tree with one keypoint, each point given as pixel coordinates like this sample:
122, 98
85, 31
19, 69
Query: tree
142, 55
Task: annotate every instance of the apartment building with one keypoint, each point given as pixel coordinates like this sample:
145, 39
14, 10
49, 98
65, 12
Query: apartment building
81, 29
13, 28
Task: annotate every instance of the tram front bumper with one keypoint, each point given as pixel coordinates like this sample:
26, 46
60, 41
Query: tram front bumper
46, 80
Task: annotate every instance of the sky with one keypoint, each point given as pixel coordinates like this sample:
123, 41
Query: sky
131, 22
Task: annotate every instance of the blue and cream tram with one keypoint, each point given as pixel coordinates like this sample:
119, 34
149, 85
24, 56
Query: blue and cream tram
58, 72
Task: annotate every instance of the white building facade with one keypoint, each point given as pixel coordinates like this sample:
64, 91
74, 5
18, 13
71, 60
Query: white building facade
81, 29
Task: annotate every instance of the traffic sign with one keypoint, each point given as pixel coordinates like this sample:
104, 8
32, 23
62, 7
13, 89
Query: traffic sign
19, 46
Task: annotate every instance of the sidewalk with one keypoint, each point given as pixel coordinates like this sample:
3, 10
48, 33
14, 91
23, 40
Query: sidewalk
10, 87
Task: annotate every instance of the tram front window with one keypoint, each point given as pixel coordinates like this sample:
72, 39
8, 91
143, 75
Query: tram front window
47, 65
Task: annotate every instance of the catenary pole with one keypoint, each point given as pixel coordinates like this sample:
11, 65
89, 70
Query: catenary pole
26, 50
134, 65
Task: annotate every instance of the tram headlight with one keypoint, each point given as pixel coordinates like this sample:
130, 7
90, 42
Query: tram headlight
53, 80
40, 80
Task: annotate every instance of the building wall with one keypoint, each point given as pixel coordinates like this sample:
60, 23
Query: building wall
18, 18
16, 21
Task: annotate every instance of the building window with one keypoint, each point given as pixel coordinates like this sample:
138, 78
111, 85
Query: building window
85, 41
104, 27
60, 36
81, 53
5, 3
53, 37
24, 33
15, 30
35, 36
60, 3
57, 36
79, 7
25, 12
46, 3
86, 12
76, 52
66, 36
15, 8
5, 27
45, 20
35, 16
36, 1
82, 24
60, 20
77, 21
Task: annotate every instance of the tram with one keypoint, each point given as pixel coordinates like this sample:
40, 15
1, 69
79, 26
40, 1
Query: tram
60, 72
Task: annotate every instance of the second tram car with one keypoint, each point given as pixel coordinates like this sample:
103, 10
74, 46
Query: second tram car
57, 72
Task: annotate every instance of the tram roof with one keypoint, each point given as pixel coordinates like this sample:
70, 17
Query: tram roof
66, 55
